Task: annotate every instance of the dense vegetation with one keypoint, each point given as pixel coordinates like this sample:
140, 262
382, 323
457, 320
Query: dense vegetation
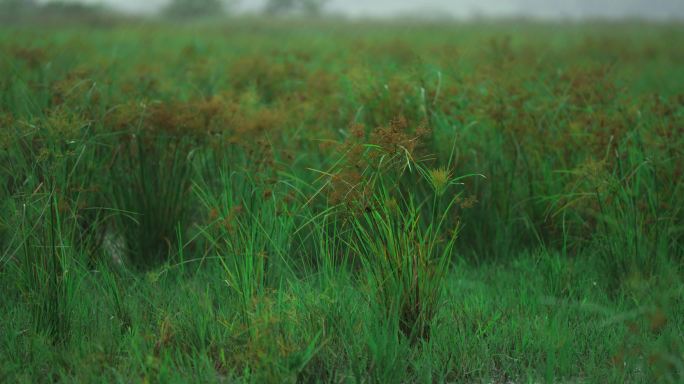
280, 202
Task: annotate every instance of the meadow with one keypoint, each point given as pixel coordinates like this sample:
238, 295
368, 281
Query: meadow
339, 202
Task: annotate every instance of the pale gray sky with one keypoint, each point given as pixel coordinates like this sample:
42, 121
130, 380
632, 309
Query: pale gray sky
651, 9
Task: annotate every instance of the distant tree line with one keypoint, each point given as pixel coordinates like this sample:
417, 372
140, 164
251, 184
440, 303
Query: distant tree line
195, 8
178, 9
282, 7
55, 5
203, 8
17, 10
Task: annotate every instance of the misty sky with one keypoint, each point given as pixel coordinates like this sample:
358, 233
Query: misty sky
652, 9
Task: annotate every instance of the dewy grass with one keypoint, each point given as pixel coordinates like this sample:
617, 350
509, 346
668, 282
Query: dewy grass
47, 267
150, 186
482, 202
406, 250
405, 263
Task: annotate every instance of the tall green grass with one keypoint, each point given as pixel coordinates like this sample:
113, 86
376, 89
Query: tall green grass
495, 202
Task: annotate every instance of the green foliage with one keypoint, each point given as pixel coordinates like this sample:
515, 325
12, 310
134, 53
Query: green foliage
462, 203
405, 247
249, 231
47, 268
150, 187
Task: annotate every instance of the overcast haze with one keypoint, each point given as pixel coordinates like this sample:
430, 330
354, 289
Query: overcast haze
651, 9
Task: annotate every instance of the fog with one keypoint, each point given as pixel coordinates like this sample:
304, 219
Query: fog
545, 9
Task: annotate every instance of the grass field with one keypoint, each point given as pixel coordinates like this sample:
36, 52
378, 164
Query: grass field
345, 202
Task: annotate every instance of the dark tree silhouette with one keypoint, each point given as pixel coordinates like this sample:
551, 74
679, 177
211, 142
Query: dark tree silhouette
14, 10
282, 7
17, 5
195, 8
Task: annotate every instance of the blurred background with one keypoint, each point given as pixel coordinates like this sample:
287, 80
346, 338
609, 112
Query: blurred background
658, 10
